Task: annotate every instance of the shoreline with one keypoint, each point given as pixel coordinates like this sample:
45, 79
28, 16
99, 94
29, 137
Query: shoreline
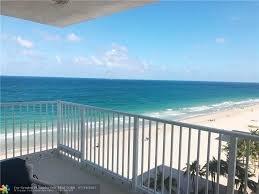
186, 113
242, 118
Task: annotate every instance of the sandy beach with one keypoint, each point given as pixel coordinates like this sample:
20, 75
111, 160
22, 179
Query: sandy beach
238, 118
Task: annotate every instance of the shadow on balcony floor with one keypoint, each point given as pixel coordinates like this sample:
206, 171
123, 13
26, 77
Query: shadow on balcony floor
57, 170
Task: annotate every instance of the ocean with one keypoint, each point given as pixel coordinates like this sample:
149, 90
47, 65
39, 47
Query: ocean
164, 99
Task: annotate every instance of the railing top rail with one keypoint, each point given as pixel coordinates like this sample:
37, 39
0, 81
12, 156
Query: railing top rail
25, 103
240, 134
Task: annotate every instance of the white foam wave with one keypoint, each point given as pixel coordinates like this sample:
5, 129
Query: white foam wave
185, 112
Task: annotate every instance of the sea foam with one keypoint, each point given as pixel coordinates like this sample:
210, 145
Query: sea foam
186, 112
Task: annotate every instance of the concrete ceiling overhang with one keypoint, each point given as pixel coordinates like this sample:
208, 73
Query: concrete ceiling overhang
61, 13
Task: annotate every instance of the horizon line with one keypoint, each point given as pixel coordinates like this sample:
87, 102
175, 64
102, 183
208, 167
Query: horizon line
103, 78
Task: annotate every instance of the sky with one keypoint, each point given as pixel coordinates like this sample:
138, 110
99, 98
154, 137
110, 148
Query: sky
206, 41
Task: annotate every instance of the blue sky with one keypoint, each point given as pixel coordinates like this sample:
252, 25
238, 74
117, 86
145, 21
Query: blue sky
213, 41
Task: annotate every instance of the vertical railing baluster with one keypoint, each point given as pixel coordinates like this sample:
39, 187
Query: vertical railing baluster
207, 164
171, 158
78, 128
40, 127
232, 165
118, 142
52, 125
123, 144
142, 150
82, 116
20, 109
103, 138
68, 125
91, 131
163, 159
247, 164
59, 121
218, 163
34, 126
112, 141
135, 153
74, 120
5, 130
179, 162
71, 125
99, 137
108, 141
64, 123
87, 132
13, 131
198, 163
47, 128
149, 151
129, 125
156, 147
28, 139
94, 136
188, 160
71, 128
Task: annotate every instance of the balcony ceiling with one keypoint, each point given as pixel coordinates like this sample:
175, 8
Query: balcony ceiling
61, 13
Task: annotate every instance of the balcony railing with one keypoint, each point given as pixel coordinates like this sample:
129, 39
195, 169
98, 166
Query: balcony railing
149, 154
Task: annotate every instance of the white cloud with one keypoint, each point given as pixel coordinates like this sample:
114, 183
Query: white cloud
96, 61
91, 60
58, 59
220, 40
116, 57
73, 38
24, 43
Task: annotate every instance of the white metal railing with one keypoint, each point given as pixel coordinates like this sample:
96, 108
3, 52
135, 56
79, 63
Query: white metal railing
150, 154
27, 127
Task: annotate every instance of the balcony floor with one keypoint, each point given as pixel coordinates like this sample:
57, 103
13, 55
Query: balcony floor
56, 170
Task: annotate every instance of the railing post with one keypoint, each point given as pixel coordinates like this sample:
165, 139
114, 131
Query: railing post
58, 122
82, 118
135, 153
232, 165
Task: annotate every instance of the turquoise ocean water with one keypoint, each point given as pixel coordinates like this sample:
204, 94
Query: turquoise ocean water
166, 99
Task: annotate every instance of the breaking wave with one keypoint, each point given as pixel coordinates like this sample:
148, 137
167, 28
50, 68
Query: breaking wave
186, 112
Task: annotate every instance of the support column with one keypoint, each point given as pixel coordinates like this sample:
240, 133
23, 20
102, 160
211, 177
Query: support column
232, 165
